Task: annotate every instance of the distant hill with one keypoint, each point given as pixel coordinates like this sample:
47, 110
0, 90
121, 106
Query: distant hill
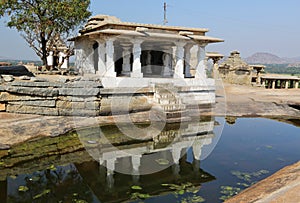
267, 58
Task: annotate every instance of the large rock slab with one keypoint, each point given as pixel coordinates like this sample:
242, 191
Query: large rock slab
7, 97
15, 71
44, 92
32, 110
37, 84
283, 186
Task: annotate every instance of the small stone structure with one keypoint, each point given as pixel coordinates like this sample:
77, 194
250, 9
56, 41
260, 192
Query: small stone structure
235, 71
259, 69
110, 48
280, 81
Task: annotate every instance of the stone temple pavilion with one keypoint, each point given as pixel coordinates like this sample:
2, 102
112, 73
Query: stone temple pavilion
113, 49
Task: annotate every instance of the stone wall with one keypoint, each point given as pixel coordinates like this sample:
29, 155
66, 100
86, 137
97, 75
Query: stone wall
83, 97
51, 98
87, 97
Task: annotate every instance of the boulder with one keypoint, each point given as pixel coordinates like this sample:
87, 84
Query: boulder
15, 71
8, 78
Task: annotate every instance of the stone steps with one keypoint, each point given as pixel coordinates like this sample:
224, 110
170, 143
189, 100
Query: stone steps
169, 100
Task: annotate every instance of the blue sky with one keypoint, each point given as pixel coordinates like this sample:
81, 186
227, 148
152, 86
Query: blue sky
248, 26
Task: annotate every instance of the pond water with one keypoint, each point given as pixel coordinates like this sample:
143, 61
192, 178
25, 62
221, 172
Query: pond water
213, 168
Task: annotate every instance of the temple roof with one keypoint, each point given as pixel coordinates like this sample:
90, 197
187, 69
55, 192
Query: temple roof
111, 25
99, 21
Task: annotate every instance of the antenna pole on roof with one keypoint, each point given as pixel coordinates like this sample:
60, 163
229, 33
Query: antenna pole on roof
165, 13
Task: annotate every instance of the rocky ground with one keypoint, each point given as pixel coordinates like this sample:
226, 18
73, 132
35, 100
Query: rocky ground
256, 101
283, 186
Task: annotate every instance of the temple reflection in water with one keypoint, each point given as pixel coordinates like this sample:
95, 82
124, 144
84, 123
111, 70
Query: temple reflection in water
147, 163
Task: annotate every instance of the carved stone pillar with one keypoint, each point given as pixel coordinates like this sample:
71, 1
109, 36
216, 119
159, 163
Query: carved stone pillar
110, 63
167, 60
126, 60
101, 55
258, 78
263, 82
178, 72
137, 66
273, 84
148, 69
296, 84
201, 66
176, 153
136, 163
197, 148
286, 84
187, 61
110, 165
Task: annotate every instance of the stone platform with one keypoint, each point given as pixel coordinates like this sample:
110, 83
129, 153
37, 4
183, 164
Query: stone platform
89, 97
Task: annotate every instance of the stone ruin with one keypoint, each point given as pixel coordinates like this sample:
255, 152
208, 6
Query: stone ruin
235, 71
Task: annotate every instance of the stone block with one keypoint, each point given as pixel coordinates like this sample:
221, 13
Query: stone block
2, 107
44, 92
78, 98
2, 88
84, 84
78, 112
35, 79
6, 97
79, 91
41, 103
118, 105
78, 105
32, 110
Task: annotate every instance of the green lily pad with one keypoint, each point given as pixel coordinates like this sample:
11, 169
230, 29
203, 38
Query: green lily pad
162, 161
42, 194
136, 187
23, 188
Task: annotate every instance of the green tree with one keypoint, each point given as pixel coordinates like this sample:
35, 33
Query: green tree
39, 21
